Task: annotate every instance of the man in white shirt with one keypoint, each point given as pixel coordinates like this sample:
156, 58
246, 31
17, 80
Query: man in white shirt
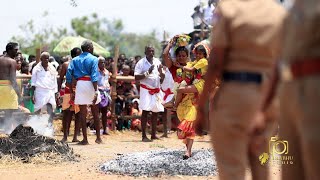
149, 72
44, 84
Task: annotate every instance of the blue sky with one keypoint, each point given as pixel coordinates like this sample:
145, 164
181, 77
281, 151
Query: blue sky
139, 16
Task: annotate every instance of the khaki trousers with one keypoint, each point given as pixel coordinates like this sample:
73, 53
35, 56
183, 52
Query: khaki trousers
300, 126
233, 109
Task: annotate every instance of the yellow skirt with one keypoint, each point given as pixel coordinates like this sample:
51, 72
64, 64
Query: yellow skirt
199, 85
8, 96
187, 114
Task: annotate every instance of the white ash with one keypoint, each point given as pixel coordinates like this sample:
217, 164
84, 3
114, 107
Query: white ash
163, 162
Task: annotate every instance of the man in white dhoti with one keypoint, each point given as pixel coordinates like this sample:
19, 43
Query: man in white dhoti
149, 72
44, 84
84, 68
167, 87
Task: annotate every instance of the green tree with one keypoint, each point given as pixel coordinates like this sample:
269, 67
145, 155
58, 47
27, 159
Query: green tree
45, 37
98, 30
133, 44
101, 30
109, 33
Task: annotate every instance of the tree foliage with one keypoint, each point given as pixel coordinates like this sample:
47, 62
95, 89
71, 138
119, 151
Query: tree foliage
46, 37
101, 30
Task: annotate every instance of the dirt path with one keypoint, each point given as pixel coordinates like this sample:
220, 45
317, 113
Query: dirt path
94, 155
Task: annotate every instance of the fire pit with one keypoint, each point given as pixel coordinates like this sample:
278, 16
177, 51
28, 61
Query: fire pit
163, 162
24, 144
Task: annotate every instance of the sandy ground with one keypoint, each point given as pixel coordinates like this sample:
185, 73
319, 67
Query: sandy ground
93, 155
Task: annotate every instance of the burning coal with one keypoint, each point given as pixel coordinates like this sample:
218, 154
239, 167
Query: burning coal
23, 143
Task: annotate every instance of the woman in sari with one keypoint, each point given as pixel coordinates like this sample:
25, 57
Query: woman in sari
186, 109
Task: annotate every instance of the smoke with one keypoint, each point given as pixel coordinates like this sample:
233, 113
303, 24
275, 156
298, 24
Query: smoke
40, 125
38, 122
7, 125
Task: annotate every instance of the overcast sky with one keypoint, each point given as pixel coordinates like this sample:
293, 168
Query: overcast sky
139, 16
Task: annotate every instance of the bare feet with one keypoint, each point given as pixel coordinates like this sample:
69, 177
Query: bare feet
98, 141
164, 136
187, 155
155, 138
145, 139
83, 142
75, 140
168, 105
64, 140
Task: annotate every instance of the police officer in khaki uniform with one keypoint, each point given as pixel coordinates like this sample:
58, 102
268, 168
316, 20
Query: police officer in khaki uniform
245, 45
299, 77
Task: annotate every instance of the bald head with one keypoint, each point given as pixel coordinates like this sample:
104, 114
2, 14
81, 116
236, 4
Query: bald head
149, 52
44, 54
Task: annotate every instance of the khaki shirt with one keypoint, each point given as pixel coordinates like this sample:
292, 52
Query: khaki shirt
302, 31
250, 31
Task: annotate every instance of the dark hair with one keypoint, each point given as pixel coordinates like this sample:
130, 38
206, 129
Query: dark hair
109, 58
24, 63
137, 56
31, 56
181, 48
74, 52
19, 60
201, 49
11, 45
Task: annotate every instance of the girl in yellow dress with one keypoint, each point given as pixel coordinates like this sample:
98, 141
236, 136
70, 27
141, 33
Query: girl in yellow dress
187, 97
198, 69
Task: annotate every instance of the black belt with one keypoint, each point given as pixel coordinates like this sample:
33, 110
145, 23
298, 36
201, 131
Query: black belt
245, 77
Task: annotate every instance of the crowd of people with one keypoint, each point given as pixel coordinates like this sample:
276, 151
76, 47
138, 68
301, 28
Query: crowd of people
45, 92
238, 73
65, 85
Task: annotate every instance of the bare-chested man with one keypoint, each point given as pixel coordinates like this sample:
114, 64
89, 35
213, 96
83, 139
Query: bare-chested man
9, 91
68, 107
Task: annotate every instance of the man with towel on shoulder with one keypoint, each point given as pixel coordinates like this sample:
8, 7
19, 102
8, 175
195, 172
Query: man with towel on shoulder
84, 68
